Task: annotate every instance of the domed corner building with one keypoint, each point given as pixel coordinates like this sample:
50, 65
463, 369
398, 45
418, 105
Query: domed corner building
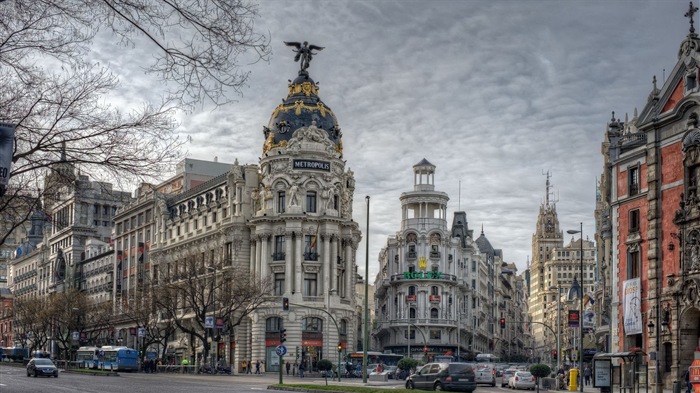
287, 220
302, 234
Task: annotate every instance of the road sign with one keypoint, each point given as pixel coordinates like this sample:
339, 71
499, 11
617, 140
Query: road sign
208, 322
281, 350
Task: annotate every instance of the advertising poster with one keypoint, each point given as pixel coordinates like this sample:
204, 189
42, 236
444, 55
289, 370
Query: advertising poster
632, 311
601, 373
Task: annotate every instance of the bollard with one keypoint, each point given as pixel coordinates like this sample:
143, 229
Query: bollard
573, 377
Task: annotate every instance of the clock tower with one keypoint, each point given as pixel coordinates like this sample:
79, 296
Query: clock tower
547, 237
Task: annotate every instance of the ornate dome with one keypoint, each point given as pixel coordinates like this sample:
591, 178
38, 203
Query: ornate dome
301, 108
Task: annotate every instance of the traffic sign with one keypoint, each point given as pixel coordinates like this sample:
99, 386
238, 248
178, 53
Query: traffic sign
281, 350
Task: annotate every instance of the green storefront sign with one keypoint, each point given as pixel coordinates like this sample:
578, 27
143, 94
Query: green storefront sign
418, 275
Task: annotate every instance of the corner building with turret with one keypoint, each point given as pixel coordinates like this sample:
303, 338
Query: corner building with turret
287, 219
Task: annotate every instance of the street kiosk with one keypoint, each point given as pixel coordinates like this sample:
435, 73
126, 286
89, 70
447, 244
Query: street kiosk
627, 377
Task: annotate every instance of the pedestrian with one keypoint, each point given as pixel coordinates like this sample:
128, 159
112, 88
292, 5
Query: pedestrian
294, 368
185, 364
244, 367
587, 373
302, 367
257, 366
289, 366
689, 385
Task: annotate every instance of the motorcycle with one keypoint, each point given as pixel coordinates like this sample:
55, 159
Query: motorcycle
223, 370
205, 369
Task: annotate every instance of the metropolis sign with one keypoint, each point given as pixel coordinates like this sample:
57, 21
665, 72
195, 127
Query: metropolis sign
312, 164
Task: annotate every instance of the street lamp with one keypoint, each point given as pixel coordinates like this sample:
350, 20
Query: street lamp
558, 289
365, 321
580, 316
212, 269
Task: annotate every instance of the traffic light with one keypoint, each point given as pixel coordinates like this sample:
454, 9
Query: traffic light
285, 303
503, 323
297, 352
554, 354
340, 347
425, 349
283, 336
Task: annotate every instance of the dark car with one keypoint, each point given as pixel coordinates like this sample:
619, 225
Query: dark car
443, 376
39, 366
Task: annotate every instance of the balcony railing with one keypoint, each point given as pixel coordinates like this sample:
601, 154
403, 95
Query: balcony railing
410, 298
278, 256
311, 256
411, 255
429, 275
435, 298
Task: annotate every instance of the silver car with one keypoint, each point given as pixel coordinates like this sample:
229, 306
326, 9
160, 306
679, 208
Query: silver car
522, 380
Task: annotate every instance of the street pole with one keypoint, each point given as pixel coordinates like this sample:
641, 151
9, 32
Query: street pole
365, 338
558, 325
409, 340
580, 317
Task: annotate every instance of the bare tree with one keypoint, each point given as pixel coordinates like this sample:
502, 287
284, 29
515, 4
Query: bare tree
195, 292
61, 101
32, 323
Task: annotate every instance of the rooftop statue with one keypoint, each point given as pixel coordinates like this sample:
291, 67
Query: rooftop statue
304, 53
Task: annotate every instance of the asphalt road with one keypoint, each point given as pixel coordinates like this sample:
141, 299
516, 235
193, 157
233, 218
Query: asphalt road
14, 380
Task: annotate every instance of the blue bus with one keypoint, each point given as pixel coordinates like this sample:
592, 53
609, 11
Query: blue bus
120, 358
41, 354
15, 354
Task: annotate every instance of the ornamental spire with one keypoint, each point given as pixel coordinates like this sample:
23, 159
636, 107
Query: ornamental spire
691, 11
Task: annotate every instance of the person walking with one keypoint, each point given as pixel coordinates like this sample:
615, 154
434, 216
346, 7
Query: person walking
587, 373
689, 385
250, 367
294, 368
289, 366
257, 366
302, 367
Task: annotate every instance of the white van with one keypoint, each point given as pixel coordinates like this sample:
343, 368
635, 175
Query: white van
485, 373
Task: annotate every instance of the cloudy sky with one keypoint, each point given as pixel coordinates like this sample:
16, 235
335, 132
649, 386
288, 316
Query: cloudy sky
494, 93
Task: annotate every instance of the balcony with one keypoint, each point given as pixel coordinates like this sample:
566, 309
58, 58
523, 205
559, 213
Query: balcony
435, 255
278, 256
435, 298
411, 255
311, 256
410, 298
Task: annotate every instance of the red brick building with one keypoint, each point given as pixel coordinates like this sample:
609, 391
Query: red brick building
648, 216
6, 318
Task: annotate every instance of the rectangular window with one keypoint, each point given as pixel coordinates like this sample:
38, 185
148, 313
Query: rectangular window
633, 181
279, 248
279, 284
310, 284
311, 202
281, 201
435, 335
310, 248
633, 264
634, 221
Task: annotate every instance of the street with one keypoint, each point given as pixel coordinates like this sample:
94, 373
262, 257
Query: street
14, 380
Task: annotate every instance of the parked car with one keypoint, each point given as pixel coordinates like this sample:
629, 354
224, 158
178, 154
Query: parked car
522, 380
505, 376
41, 366
443, 376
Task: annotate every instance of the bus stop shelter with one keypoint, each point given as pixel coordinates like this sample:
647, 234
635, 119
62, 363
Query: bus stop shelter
627, 377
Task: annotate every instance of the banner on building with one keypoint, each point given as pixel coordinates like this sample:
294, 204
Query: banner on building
632, 310
589, 319
573, 318
7, 143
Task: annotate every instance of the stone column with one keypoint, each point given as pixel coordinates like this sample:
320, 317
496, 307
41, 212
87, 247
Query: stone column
298, 268
264, 256
325, 284
289, 263
253, 248
334, 264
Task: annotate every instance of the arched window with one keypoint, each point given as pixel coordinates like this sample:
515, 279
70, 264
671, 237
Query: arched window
434, 290
412, 290
434, 313
343, 326
312, 324
273, 324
